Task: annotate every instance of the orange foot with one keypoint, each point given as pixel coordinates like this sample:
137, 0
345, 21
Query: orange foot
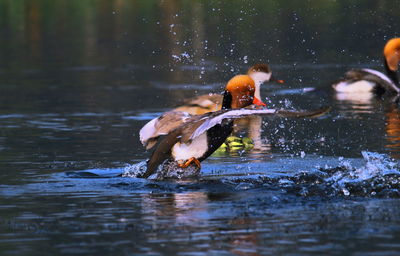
189, 161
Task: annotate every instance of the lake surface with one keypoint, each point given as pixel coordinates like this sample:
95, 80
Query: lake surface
78, 79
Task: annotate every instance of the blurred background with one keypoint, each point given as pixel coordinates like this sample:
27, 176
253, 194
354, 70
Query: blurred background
117, 42
116, 33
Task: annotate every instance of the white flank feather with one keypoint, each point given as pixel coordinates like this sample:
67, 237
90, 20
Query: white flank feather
229, 115
358, 86
196, 148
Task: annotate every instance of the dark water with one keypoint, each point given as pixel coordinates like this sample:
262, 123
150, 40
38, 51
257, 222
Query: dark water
78, 79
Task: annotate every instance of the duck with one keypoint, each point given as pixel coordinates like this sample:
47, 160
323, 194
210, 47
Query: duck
369, 80
193, 138
259, 73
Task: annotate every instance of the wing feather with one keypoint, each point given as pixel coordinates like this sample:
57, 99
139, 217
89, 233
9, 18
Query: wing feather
386, 81
227, 114
238, 113
161, 125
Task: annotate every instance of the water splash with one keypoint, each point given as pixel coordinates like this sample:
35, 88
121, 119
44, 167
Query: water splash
135, 170
378, 177
169, 170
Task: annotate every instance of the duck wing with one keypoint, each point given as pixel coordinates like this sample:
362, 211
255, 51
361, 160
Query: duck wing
219, 116
162, 125
180, 134
197, 125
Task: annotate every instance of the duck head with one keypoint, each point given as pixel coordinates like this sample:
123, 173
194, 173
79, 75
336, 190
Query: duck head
239, 92
392, 54
261, 73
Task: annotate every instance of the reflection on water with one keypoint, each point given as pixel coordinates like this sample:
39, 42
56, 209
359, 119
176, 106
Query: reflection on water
249, 223
184, 208
354, 104
359, 98
252, 127
392, 126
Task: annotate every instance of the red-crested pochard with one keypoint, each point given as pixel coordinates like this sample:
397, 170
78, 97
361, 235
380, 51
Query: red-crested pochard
189, 139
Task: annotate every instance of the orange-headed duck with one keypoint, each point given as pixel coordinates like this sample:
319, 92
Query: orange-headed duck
189, 139
259, 73
369, 80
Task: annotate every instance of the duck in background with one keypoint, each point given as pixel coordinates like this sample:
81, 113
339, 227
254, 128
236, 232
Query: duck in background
184, 140
369, 80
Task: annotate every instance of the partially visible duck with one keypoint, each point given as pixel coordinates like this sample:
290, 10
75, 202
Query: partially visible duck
196, 137
259, 73
369, 80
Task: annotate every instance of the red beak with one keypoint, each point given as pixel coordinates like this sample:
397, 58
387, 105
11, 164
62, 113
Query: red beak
258, 102
279, 81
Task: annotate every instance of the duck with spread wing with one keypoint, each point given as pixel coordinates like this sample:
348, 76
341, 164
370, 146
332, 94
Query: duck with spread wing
187, 140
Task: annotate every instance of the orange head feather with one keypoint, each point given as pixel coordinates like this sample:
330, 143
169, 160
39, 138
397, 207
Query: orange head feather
392, 53
242, 89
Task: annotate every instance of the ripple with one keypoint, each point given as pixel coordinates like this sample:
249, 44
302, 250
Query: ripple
186, 86
295, 91
143, 116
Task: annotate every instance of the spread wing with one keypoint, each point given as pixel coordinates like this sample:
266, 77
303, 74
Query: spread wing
217, 117
162, 125
197, 125
163, 149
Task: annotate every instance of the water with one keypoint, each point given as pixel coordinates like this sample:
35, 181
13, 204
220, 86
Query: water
78, 79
